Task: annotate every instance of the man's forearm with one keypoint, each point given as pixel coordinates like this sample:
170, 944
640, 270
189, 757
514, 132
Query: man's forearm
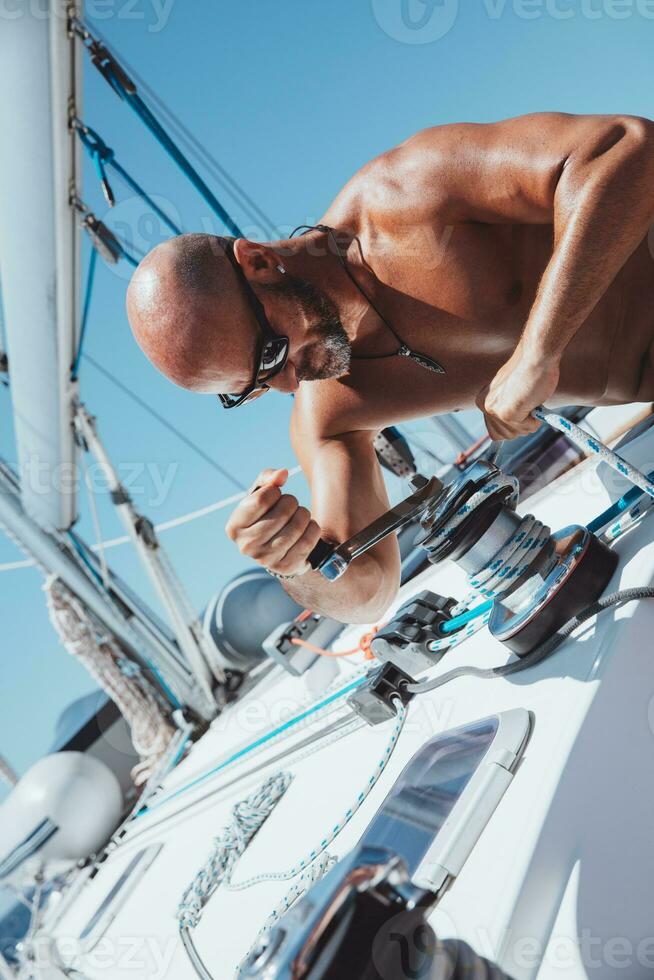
604, 205
361, 595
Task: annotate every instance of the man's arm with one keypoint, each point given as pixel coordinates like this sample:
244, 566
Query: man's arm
348, 493
592, 177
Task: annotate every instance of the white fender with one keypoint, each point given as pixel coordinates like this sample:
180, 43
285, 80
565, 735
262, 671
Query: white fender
63, 809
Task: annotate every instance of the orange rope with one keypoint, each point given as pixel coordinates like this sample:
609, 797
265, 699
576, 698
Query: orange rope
467, 453
363, 647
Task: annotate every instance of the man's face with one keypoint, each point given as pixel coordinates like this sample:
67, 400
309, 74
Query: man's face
204, 335
327, 350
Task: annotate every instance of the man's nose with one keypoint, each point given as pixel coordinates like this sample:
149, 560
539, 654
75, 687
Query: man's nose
286, 381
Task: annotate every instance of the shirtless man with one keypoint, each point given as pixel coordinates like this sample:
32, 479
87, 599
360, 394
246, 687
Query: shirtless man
514, 255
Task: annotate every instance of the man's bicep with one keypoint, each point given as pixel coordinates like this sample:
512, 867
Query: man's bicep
347, 486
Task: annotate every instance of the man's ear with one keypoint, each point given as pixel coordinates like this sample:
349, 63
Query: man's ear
259, 262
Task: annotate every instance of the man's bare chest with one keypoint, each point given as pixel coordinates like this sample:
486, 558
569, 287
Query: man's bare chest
468, 288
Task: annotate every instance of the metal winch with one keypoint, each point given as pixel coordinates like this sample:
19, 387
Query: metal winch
533, 581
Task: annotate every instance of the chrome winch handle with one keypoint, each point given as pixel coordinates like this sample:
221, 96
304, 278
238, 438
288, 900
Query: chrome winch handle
332, 560
432, 503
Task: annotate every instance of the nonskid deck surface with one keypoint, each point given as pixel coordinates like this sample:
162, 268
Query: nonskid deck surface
562, 875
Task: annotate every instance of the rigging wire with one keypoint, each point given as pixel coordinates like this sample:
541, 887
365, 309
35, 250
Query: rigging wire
143, 194
90, 278
197, 149
99, 547
114, 74
135, 255
168, 525
163, 421
103, 156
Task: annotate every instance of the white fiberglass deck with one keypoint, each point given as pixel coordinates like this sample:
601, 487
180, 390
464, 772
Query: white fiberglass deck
561, 882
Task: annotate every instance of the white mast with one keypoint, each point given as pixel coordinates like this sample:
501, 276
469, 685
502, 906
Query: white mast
39, 253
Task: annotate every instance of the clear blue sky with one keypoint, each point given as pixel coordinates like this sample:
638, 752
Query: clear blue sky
293, 97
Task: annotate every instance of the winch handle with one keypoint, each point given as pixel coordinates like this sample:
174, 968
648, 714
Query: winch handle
322, 551
332, 560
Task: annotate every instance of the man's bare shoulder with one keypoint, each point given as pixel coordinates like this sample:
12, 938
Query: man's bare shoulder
421, 179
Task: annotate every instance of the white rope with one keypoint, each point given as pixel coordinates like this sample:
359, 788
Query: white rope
298, 889
594, 447
627, 520
324, 843
105, 661
174, 522
247, 817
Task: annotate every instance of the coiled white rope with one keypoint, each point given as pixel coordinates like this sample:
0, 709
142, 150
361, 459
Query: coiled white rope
497, 577
500, 482
247, 817
324, 843
532, 536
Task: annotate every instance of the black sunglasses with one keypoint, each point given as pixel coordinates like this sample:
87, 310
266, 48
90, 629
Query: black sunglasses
272, 349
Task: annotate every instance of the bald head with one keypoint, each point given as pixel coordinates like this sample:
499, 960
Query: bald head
189, 315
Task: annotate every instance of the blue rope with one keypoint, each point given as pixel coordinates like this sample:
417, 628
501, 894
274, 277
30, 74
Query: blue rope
618, 507
84, 558
123, 86
145, 196
165, 141
262, 740
90, 277
103, 156
452, 625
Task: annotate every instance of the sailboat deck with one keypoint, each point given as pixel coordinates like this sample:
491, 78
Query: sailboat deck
563, 870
